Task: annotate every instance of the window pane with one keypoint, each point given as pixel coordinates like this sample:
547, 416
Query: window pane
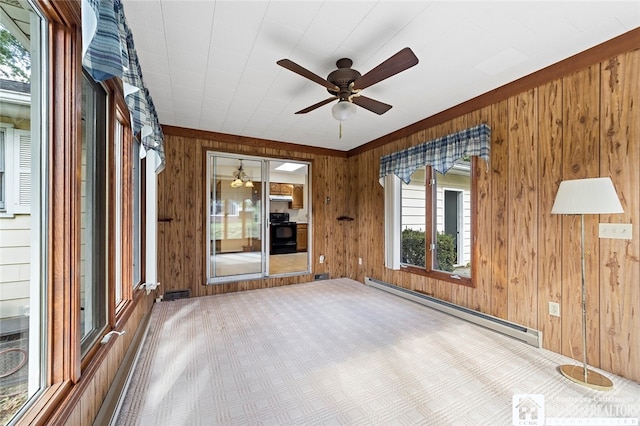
452, 220
137, 214
413, 220
92, 215
118, 235
22, 204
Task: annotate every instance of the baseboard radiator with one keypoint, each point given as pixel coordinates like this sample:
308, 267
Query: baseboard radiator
519, 332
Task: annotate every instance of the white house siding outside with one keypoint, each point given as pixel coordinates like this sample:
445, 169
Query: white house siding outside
15, 255
413, 206
15, 217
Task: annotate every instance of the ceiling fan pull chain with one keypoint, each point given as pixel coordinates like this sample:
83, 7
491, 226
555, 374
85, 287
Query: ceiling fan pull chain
341, 130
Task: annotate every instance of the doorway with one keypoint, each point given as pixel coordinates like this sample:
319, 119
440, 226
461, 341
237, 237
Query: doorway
244, 193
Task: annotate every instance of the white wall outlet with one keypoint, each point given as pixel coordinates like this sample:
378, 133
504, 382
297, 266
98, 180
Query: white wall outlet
621, 231
359, 261
322, 258
554, 309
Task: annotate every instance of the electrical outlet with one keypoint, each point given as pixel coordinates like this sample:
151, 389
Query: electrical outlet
554, 309
621, 231
322, 258
359, 261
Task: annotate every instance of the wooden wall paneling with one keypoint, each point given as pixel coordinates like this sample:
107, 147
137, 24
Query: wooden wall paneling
191, 159
620, 259
549, 240
199, 217
499, 208
320, 206
580, 160
480, 296
522, 224
350, 210
337, 184
370, 220
175, 204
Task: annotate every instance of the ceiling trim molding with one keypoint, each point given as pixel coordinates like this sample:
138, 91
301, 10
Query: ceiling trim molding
626, 42
250, 142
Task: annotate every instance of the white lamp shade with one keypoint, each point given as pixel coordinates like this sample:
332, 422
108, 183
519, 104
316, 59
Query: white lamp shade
587, 196
343, 110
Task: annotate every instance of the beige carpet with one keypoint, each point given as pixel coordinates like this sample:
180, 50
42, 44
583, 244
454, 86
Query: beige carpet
338, 352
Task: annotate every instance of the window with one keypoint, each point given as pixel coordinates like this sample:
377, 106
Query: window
93, 207
118, 160
436, 220
137, 214
15, 174
23, 212
432, 230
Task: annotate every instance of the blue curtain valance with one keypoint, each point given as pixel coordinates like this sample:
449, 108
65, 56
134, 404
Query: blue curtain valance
441, 153
108, 51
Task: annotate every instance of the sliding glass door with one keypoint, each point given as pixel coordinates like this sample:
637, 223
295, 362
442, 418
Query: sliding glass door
257, 217
235, 218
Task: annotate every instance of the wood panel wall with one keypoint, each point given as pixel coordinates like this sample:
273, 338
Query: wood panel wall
181, 196
579, 124
96, 385
585, 124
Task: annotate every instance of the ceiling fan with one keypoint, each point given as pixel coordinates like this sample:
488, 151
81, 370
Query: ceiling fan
345, 83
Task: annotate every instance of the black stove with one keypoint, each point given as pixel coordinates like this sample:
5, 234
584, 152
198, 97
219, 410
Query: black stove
283, 234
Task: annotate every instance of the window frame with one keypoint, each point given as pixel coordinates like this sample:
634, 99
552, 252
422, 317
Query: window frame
138, 208
97, 189
430, 232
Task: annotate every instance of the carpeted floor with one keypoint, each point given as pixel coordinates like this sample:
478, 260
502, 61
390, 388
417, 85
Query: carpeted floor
339, 352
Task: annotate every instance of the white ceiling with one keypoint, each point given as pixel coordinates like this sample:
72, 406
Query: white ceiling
211, 65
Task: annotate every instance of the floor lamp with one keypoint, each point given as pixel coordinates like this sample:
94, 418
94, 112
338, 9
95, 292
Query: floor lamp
586, 196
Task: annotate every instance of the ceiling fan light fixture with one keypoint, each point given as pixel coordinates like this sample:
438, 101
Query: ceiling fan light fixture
343, 110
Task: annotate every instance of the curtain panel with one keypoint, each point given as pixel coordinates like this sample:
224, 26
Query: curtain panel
441, 153
108, 51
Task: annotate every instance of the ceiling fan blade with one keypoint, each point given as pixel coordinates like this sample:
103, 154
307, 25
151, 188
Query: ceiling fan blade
318, 105
292, 66
399, 62
371, 104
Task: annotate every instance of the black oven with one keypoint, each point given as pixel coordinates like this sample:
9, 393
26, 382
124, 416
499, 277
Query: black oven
283, 234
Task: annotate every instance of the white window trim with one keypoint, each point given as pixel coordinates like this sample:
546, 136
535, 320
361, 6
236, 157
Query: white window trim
392, 219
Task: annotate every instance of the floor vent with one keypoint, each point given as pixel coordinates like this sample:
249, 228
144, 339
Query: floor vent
324, 276
528, 335
176, 294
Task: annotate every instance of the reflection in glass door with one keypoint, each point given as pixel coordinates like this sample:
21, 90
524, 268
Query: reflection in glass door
235, 218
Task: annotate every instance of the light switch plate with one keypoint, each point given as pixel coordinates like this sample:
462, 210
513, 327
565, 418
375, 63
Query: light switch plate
621, 231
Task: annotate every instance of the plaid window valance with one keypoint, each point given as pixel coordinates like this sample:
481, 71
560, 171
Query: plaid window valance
108, 51
441, 153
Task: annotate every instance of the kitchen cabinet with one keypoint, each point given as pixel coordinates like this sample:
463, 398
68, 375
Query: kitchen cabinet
276, 188
301, 237
298, 197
